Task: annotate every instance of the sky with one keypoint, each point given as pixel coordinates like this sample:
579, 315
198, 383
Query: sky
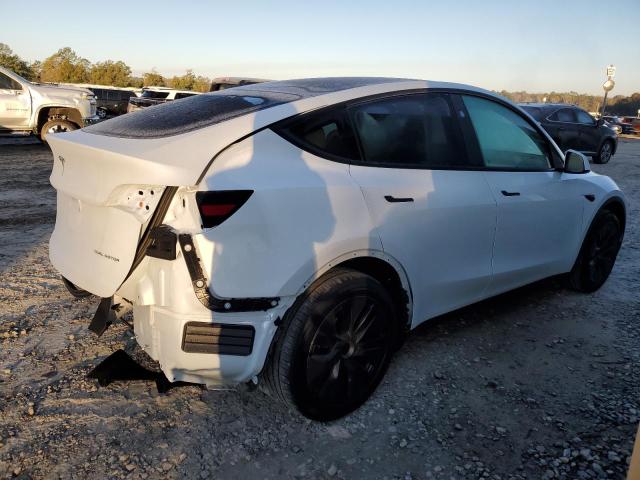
537, 45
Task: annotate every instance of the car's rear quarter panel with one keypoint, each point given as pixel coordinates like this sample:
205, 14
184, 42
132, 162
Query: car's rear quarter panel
304, 213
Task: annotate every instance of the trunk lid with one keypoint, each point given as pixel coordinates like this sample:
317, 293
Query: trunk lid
104, 200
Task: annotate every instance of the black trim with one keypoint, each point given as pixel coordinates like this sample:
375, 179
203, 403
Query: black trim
200, 284
392, 199
218, 338
155, 221
163, 243
468, 136
590, 196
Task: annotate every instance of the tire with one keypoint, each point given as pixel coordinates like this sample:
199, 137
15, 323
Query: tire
597, 254
56, 126
319, 364
75, 291
605, 153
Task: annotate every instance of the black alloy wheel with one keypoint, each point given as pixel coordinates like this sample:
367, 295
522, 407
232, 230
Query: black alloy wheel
598, 254
338, 344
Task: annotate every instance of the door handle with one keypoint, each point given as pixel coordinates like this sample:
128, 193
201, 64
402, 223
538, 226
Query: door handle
510, 194
392, 199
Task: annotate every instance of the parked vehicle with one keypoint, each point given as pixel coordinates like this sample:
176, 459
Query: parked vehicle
155, 96
573, 128
112, 101
614, 127
624, 127
291, 232
222, 83
32, 108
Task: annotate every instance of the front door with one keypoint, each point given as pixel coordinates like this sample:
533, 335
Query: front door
589, 132
562, 127
539, 208
433, 211
15, 104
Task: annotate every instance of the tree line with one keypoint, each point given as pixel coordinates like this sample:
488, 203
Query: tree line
66, 66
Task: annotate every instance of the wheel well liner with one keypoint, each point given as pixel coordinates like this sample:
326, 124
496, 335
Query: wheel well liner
616, 206
388, 276
71, 114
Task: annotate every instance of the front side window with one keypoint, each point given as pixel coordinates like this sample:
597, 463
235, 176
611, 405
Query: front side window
415, 131
327, 132
507, 141
8, 83
565, 115
584, 117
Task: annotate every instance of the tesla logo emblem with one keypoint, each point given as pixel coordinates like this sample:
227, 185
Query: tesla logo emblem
61, 158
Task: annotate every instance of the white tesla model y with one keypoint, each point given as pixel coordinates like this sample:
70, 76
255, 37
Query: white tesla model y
290, 233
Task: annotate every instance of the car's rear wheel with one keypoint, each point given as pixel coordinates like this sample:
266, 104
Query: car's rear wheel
598, 253
75, 291
335, 346
605, 153
54, 126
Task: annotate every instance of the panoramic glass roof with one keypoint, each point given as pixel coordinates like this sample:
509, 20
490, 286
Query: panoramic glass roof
199, 111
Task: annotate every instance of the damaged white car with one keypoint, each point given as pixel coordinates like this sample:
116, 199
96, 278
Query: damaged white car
290, 233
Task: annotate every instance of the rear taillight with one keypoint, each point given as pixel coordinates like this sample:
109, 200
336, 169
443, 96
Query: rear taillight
216, 207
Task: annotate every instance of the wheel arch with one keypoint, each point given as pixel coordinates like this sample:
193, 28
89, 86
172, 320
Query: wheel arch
618, 208
47, 112
384, 268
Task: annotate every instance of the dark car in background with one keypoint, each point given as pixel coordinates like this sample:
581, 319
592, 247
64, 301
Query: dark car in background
156, 95
222, 83
112, 101
625, 127
573, 128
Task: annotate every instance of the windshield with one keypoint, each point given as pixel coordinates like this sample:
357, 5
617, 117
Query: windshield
152, 94
15, 75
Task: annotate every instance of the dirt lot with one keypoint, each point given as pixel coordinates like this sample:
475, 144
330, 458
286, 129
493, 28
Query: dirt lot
538, 383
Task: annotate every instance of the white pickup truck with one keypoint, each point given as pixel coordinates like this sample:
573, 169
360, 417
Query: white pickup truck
32, 108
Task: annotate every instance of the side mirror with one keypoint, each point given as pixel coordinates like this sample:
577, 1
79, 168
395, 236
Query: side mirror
600, 122
576, 162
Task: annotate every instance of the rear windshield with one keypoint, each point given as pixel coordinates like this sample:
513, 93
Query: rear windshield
535, 112
199, 111
188, 114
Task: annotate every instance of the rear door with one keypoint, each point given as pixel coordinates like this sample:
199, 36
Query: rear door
432, 209
563, 128
539, 208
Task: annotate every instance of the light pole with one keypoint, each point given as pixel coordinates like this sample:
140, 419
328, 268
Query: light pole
608, 86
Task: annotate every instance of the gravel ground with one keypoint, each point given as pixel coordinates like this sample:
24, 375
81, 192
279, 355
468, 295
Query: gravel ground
537, 383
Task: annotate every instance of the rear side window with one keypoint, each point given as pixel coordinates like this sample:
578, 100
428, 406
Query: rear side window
563, 115
507, 141
414, 131
327, 133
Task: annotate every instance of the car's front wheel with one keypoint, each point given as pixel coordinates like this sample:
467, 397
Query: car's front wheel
335, 346
605, 153
56, 125
598, 253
